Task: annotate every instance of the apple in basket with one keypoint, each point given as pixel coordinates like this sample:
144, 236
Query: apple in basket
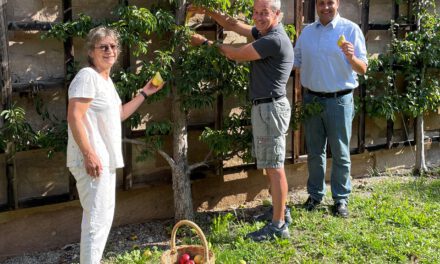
184, 258
198, 259
190, 262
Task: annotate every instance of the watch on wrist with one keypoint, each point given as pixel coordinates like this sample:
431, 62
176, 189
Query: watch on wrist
206, 42
144, 94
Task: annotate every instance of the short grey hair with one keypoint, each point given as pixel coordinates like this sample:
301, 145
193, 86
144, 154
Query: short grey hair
95, 35
276, 4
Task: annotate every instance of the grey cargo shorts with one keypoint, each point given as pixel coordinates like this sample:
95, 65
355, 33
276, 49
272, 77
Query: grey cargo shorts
270, 123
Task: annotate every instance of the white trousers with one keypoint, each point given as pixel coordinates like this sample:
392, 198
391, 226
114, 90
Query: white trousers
97, 197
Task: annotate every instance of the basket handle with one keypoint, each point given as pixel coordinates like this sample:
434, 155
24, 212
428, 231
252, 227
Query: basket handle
199, 233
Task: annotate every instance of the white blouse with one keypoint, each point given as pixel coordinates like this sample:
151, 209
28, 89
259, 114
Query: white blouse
102, 120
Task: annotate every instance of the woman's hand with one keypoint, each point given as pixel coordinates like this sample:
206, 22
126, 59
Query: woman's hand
92, 164
129, 108
150, 89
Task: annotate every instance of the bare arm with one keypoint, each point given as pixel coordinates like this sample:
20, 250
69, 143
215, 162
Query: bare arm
227, 22
242, 53
129, 108
358, 65
76, 118
245, 52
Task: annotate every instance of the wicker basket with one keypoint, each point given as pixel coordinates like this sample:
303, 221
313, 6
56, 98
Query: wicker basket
172, 256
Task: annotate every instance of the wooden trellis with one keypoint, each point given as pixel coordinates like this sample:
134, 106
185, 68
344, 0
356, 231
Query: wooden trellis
69, 59
308, 15
304, 12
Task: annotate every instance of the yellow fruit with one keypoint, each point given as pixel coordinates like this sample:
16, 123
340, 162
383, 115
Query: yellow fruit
188, 16
242, 261
198, 259
147, 253
341, 40
157, 79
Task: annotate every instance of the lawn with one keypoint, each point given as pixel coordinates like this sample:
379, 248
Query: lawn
396, 220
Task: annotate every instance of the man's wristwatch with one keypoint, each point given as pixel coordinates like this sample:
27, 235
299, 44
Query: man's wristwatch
144, 94
206, 42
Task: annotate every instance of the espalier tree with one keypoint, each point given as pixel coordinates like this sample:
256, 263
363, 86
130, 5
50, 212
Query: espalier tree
416, 58
195, 77
16, 134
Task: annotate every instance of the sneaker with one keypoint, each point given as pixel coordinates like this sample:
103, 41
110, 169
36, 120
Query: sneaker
311, 204
269, 232
267, 216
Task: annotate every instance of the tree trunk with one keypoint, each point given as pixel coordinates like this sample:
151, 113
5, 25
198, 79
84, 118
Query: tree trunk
420, 165
183, 206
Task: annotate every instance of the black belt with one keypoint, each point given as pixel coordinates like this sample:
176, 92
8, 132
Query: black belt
266, 100
330, 95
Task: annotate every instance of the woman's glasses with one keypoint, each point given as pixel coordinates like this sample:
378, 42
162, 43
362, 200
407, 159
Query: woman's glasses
107, 47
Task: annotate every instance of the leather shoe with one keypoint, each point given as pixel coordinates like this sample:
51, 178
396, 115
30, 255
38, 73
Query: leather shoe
311, 204
341, 210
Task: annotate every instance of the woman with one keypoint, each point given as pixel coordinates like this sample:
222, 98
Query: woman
94, 150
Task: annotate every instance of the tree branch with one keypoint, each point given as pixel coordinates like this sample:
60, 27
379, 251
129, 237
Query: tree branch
200, 164
161, 152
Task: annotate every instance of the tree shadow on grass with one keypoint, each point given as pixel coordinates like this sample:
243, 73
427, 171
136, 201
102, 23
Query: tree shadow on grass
427, 189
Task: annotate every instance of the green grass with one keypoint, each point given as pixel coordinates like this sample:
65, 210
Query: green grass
391, 221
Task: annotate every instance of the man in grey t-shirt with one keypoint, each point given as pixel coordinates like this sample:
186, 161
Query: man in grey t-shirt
271, 57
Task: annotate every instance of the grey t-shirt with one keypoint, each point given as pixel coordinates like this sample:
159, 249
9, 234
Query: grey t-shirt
269, 75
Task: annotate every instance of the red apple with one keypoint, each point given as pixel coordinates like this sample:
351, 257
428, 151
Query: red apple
190, 262
184, 258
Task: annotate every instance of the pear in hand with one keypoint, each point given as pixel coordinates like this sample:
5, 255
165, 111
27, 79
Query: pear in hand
341, 40
157, 79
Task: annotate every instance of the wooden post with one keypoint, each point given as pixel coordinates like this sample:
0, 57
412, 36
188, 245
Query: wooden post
68, 70
409, 14
127, 171
5, 81
362, 89
309, 14
390, 123
6, 88
297, 147
219, 108
68, 44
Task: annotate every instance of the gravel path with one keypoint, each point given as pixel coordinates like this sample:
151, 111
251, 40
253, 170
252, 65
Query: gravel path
121, 239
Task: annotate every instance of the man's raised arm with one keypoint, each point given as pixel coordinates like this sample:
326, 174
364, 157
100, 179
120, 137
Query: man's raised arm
227, 22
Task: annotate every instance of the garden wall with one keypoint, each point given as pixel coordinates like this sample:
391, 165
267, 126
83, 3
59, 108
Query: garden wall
45, 227
36, 60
